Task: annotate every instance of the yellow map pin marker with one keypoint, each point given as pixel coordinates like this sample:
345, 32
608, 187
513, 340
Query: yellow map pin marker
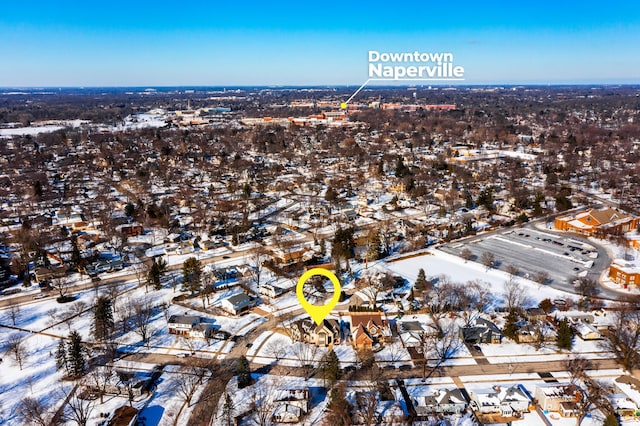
318, 313
343, 105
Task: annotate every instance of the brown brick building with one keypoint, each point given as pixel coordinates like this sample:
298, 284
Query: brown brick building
597, 222
624, 273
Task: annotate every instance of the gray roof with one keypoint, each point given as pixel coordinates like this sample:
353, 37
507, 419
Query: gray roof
239, 300
184, 319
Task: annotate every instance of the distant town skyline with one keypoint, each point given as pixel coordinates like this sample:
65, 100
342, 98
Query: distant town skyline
295, 44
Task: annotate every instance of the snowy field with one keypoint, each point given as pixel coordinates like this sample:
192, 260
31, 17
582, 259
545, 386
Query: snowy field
437, 263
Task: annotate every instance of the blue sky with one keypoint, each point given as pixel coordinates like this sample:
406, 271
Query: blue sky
143, 43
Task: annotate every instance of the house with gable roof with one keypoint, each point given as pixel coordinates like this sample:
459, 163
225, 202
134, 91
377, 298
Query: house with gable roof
369, 329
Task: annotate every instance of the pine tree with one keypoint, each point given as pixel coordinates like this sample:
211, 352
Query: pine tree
76, 257
564, 336
243, 371
76, 354
339, 409
421, 281
102, 319
375, 251
331, 366
61, 357
227, 410
191, 275
611, 420
510, 328
155, 274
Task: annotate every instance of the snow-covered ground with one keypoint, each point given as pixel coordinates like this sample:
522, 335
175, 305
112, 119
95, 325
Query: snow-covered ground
437, 263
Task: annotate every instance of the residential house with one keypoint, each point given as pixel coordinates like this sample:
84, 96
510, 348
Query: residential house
561, 398
622, 405
440, 401
586, 331
412, 333
508, 401
132, 230
271, 290
189, 326
291, 404
325, 334
629, 386
119, 382
482, 331
238, 303
369, 329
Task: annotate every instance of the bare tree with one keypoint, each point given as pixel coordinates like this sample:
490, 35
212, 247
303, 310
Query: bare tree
488, 259
61, 285
257, 257
306, 354
541, 277
623, 339
187, 383
17, 349
262, 404
366, 405
14, 314
577, 367
140, 269
371, 287
78, 410
515, 295
439, 345
277, 348
512, 270
99, 379
466, 254
33, 411
143, 313
540, 332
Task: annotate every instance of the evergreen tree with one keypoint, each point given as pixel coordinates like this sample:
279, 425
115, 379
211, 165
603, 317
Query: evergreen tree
564, 336
339, 409
227, 410
76, 257
102, 319
76, 355
510, 328
331, 194
611, 420
243, 371
375, 251
343, 244
323, 248
191, 275
61, 357
129, 209
421, 281
155, 274
331, 366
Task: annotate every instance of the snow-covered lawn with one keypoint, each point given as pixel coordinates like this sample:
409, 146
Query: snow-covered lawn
437, 263
511, 352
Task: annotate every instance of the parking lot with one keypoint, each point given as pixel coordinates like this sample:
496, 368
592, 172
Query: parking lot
561, 256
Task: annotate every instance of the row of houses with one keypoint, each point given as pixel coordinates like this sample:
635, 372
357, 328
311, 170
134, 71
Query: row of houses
364, 330
507, 403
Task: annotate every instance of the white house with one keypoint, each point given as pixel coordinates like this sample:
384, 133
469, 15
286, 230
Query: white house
508, 401
238, 303
190, 326
442, 400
